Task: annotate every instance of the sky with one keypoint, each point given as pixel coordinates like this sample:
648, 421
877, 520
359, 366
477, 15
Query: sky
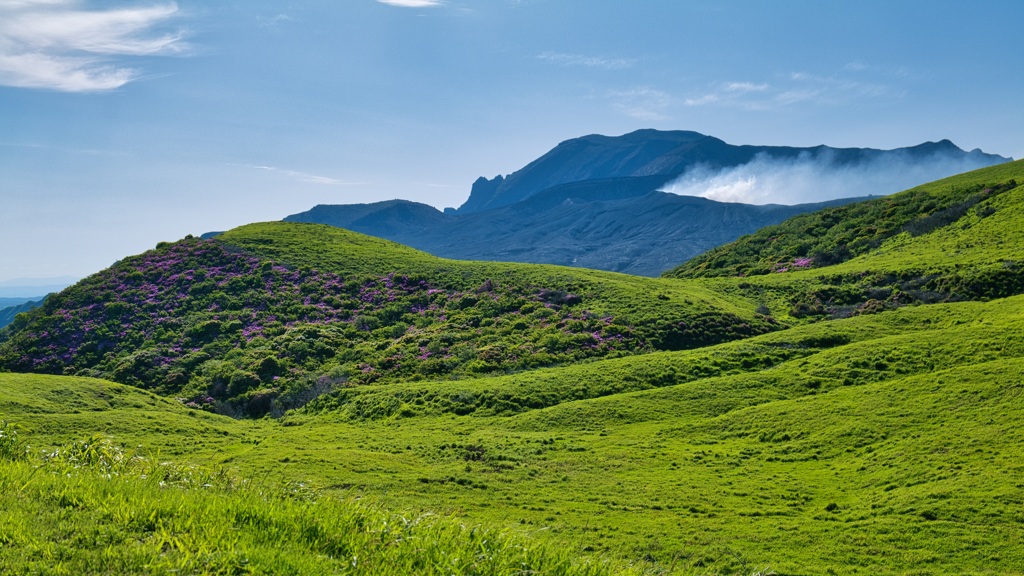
126, 123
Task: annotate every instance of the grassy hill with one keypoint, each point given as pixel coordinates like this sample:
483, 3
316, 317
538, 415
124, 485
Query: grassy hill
921, 216
855, 418
268, 316
882, 444
952, 240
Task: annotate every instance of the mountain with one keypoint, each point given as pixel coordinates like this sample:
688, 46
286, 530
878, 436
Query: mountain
7, 314
596, 202
598, 225
664, 156
8, 302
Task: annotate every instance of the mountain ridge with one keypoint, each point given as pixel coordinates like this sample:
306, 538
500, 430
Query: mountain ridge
636, 234
666, 155
600, 202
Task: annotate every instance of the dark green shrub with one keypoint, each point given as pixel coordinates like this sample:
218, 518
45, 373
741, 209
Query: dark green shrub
241, 382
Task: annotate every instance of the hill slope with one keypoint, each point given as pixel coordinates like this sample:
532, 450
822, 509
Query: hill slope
883, 444
267, 316
88, 506
835, 235
955, 239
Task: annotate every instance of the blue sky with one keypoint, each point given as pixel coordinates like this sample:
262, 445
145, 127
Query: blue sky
124, 123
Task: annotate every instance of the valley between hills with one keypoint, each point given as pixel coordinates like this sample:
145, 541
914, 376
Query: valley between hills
839, 393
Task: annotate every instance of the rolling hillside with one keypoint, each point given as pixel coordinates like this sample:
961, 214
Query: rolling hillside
882, 444
858, 417
267, 316
955, 239
90, 506
922, 227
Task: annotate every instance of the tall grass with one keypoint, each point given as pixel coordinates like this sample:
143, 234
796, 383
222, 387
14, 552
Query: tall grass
90, 507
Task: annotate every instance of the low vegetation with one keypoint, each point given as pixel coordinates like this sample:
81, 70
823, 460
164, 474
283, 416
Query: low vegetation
967, 253
836, 235
89, 507
879, 444
855, 418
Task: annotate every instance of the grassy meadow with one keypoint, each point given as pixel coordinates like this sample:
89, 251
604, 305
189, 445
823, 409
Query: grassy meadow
859, 417
827, 461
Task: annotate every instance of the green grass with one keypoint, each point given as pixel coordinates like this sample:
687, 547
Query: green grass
346, 253
89, 508
955, 239
837, 235
881, 444
863, 342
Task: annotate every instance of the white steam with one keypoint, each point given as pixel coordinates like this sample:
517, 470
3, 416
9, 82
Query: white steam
816, 178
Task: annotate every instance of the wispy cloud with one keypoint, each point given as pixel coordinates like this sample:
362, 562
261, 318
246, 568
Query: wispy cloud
412, 3
796, 88
855, 82
643, 103
587, 61
60, 45
859, 66
744, 87
300, 176
745, 94
271, 21
65, 149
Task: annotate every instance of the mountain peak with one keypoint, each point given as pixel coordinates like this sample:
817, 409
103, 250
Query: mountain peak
665, 154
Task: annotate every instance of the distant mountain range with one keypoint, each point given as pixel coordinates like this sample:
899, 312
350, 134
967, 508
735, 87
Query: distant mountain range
9, 311
19, 290
596, 202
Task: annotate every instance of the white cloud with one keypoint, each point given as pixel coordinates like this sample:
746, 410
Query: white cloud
60, 45
271, 21
795, 88
300, 176
702, 100
745, 87
412, 3
745, 94
644, 103
587, 61
794, 96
